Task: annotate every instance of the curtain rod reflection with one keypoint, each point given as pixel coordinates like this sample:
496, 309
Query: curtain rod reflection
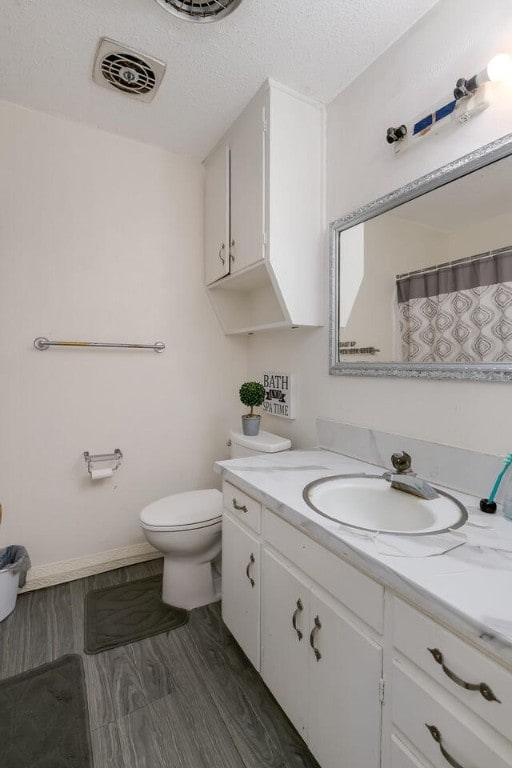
457, 262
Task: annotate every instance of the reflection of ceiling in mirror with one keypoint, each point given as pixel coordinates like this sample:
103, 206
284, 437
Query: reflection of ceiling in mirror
480, 195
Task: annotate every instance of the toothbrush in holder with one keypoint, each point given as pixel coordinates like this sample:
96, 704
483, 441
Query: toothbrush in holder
489, 505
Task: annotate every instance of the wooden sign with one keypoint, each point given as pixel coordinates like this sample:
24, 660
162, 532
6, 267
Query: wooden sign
279, 394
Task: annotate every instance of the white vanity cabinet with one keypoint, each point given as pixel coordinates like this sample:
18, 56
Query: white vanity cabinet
263, 215
323, 670
241, 568
322, 661
451, 704
368, 679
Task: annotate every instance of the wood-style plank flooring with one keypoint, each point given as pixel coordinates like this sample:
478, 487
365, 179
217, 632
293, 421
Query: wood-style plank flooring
185, 699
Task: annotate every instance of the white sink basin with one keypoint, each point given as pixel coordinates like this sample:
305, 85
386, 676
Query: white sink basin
368, 502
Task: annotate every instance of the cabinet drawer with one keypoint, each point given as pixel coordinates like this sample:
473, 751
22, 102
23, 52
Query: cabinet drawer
423, 641
461, 739
360, 594
242, 506
402, 757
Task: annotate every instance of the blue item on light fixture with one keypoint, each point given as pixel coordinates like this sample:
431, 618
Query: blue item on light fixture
467, 100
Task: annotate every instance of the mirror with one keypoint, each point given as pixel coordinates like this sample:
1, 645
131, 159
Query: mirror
421, 279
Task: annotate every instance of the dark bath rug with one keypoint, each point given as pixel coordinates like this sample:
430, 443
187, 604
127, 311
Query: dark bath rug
128, 612
44, 722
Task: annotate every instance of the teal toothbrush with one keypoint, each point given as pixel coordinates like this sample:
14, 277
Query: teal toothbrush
489, 505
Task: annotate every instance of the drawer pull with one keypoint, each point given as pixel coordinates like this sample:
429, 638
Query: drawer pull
436, 735
312, 636
251, 562
296, 612
484, 689
238, 507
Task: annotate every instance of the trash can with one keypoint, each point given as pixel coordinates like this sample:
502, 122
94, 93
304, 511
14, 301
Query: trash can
14, 564
8, 592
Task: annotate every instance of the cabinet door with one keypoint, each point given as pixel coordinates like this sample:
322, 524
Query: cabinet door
216, 222
247, 142
284, 638
241, 587
344, 683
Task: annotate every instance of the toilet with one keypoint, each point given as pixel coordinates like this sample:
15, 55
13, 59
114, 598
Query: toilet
186, 528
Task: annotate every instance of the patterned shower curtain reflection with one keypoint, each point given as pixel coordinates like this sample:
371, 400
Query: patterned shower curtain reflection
459, 312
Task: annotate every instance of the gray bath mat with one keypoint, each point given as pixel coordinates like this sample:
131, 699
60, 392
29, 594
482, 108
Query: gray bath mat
128, 612
44, 722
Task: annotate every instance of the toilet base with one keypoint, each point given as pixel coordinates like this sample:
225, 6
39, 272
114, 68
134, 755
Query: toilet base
188, 585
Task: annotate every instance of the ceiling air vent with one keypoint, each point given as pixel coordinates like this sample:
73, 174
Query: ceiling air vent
200, 10
117, 66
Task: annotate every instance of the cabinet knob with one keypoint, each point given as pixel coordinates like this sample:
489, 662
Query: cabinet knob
221, 257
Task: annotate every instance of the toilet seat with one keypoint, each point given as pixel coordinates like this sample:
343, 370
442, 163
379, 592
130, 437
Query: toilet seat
192, 527
183, 511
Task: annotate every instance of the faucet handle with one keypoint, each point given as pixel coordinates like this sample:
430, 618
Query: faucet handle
401, 462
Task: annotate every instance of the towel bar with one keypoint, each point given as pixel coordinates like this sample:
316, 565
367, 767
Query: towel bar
42, 343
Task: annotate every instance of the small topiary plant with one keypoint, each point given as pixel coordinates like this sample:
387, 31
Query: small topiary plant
252, 394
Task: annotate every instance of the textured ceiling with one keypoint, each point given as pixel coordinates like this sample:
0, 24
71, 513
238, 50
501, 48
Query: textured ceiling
314, 46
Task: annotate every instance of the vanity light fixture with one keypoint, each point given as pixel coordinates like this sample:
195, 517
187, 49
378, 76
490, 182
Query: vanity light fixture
469, 98
499, 68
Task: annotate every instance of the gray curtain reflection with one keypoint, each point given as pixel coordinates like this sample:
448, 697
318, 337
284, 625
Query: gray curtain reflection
458, 312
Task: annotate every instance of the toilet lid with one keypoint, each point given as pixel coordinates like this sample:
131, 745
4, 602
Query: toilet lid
183, 509
266, 442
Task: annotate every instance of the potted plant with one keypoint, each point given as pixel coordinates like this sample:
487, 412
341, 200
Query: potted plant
252, 394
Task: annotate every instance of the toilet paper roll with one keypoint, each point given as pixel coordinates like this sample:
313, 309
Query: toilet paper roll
100, 474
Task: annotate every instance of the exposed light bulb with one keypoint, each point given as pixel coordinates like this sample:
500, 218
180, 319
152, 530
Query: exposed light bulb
500, 67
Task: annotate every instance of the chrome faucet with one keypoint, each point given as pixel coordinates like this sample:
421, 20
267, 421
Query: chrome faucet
404, 479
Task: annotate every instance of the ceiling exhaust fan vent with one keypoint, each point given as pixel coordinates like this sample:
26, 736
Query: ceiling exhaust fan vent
200, 10
136, 74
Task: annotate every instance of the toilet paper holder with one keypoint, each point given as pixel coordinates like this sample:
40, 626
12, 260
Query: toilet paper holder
116, 456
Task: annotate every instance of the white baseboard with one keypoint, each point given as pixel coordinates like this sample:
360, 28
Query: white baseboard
68, 570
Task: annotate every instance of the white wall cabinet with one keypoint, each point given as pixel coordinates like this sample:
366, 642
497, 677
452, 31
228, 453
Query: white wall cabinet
216, 221
324, 633
272, 276
248, 159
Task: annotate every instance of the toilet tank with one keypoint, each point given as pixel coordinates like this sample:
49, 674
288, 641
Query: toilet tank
264, 442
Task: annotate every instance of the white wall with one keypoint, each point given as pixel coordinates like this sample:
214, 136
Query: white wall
101, 239
487, 235
390, 250
457, 38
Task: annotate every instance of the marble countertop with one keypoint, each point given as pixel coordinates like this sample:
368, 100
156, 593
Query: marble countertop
468, 588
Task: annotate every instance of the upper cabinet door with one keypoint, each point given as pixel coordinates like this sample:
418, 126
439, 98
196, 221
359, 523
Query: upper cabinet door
248, 161
216, 235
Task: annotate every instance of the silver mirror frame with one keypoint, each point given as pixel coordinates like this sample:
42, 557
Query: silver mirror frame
496, 150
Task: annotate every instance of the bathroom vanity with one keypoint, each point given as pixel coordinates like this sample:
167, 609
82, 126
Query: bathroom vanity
376, 660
